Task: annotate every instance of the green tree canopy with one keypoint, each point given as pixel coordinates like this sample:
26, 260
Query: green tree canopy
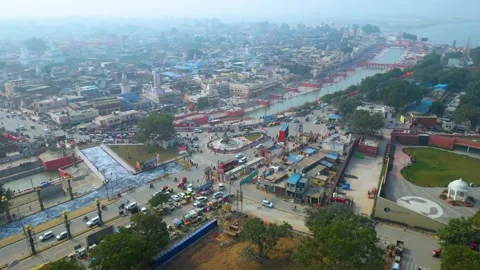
64, 264
362, 122
159, 199
151, 228
264, 237
475, 55
156, 126
399, 93
35, 44
370, 29
456, 78
202, 103
437, 108
459, 231
467, 112
409, 36
346, 105
341, 241
459, 257
121, 251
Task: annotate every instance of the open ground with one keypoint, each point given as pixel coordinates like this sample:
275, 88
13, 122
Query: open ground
437, 168
133, 153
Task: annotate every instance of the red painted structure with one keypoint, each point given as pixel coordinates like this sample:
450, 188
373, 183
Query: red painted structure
426, 121
368, 149
310, 85
383, 66
51, 165
446, 141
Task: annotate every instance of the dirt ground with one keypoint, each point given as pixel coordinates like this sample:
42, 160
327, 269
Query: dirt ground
219, 251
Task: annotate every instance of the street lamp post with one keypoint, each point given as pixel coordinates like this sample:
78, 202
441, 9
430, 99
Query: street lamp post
97, 201
7, 208
40, 200
67, 224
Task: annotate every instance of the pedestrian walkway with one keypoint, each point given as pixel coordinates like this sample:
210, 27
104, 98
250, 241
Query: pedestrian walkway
412, 266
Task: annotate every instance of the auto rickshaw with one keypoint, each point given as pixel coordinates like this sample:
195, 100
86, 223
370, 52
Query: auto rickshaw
181, 185
184, 180
165, 188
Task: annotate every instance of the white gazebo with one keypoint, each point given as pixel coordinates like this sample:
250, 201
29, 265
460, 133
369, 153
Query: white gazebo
458, 188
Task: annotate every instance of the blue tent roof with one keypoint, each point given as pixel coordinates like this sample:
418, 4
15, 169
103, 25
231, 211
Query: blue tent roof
293, 179
331, 156
441, 85
333, 116
326, 163
309, 150
294, 158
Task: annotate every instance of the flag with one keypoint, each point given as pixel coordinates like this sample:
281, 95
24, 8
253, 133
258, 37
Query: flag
157, 157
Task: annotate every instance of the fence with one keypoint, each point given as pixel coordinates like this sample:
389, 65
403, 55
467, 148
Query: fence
181, 246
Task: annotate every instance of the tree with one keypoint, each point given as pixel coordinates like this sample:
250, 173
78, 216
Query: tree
64, 264
409, 36
459, 257
458, 231
475, 55
467, 112
157, 126
36, 45
370, 29
264, 237
159, 199
152, 229
437, 108
400, 93
121, 251
341, 240
362, 122
202, 103
456, 78
346, 105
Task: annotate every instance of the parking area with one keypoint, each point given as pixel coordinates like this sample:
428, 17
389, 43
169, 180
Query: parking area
363, 174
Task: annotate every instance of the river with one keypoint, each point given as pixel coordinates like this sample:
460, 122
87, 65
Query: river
388, 56
447, 33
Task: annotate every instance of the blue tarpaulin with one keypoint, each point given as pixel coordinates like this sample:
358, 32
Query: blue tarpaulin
293, 179
294, 158
309, 150
326, 163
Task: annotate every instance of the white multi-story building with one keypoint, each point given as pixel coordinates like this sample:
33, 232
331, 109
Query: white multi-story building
72, 117
117, 118
49, 104
249, 90
385, 111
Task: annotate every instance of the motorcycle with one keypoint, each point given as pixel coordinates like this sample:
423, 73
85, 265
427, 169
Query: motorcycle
151, 185
175, 180
104, 207
437, 253
85, 218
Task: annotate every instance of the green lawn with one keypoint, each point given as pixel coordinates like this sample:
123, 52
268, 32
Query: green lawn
134, 153
437, 168
253, 137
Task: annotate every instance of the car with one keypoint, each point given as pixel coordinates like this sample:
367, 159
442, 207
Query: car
316, 122
197, 130
233, 177
181, 195
239, 156
46, 235
243, 160
259, 146
130, 206
295, 120
175, 198
94, 221
143, 210
196, 145
62, 235
202, 199
221, 186
267, 203
217, 194
198, 204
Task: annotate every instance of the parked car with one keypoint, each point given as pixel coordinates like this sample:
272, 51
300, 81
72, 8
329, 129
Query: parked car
197, 130
175, 198
202, 199
217, 194
259, 146
243, 160
143, 210
130, 206
267, 203
181, 195
199, 204
94, 221
239, 156
62, 235
46, 235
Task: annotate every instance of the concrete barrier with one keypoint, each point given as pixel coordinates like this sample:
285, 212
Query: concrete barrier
21, 174
90, 165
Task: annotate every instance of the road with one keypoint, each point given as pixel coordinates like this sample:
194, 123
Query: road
282, 211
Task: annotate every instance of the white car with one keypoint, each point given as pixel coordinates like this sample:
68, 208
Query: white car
143, 210
259, 146
198, 204
197, 130
217, 194
62, 235
130, 206
45, 236
196, 145
202, 199
94, 221
243, 160
221, 186
175, 198
267, 203
181, 195
239, 156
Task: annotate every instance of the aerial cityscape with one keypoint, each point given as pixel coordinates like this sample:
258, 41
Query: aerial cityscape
248, 135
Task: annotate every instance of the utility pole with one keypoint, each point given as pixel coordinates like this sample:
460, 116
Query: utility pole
67, 224
70, 189
30, 239
40, 200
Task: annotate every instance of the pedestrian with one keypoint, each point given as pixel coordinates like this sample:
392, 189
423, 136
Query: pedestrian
30, 207
404, 229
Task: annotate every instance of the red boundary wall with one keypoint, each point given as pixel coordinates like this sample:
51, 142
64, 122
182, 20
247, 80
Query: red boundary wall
55, 164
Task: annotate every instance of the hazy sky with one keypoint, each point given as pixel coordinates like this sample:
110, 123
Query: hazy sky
237, 9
